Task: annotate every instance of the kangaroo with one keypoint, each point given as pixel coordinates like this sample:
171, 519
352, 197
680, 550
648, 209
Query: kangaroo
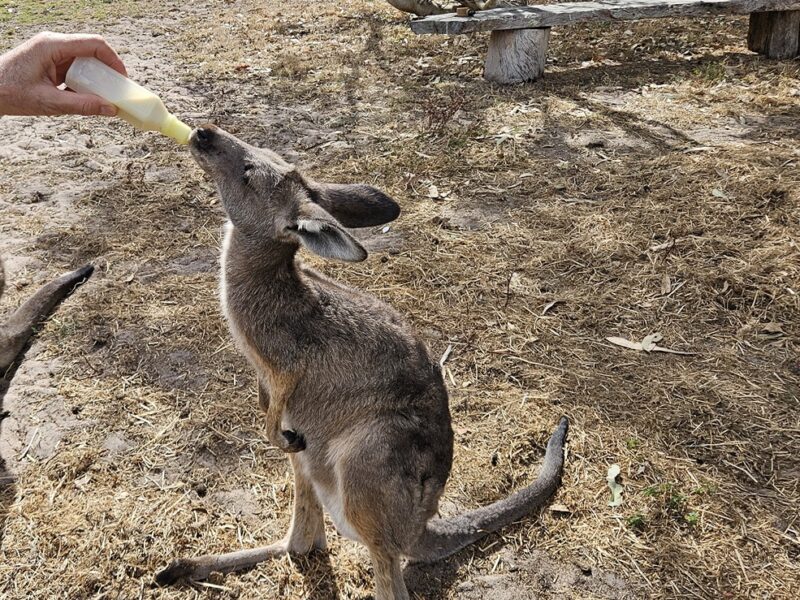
425, 8
19, 328
351, 393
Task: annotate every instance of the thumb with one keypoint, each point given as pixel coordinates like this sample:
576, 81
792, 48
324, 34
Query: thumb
71, 103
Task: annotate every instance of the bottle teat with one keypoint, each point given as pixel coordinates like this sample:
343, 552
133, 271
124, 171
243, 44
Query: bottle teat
176, 129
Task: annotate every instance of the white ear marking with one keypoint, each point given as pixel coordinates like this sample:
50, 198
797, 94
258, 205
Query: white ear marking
313, 226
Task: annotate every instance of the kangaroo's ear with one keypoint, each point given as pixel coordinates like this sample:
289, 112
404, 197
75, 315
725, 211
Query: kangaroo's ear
323, 235
355, 205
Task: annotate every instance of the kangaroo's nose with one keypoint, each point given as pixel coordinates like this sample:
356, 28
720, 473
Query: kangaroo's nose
204, 137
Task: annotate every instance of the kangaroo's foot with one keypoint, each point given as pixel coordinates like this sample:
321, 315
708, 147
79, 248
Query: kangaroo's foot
306, 533
198, 568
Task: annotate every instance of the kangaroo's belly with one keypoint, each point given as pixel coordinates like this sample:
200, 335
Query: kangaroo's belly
329, 494
333, 503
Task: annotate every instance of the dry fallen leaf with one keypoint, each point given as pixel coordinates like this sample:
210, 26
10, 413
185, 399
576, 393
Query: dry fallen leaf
772, 331
618, 341
560, 509
616, 488
698, 149
550, 305
648, 344
772, 328
666, 284
666, 245
668, 351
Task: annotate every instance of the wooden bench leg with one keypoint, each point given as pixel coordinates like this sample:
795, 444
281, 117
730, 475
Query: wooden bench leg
775, 34
516, 55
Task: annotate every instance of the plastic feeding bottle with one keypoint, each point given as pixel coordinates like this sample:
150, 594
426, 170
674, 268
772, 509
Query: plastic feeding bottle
138, 106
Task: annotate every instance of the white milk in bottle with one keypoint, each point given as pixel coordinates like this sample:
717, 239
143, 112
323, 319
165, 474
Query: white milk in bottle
137, 105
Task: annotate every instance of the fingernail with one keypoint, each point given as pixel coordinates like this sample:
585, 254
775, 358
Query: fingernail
108, 110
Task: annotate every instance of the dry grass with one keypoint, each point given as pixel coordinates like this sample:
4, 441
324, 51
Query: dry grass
650, 151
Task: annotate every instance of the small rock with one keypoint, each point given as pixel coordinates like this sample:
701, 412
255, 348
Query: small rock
465, 586
585, 566
39, 196
117, 443
83, 481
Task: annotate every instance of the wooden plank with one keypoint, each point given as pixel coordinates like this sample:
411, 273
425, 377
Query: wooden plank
775, 34
527, 17
516, 56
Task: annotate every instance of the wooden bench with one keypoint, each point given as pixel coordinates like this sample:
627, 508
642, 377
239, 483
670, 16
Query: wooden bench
518, 46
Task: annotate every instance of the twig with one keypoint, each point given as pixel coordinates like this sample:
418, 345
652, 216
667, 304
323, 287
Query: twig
445, 356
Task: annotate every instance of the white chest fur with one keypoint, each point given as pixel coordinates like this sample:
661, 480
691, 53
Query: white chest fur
223, 285
329, 497
238, 336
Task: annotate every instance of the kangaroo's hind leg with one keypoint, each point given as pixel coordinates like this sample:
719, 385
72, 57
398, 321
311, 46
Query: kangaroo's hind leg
389, 583
306, 533
307, 530
384, 505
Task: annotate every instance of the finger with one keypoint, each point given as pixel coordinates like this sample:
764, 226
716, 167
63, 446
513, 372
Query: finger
64, 48
63, 102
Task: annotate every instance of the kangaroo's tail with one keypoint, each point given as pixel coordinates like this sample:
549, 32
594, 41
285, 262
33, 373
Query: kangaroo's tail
443, 537
20, 326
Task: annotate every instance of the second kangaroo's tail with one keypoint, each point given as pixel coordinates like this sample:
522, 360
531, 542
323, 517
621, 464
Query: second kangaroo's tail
20, 326
444, 537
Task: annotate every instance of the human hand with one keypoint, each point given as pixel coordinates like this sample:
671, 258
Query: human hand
31, 73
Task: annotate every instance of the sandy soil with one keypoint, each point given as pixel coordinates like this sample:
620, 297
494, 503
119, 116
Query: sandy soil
648, 183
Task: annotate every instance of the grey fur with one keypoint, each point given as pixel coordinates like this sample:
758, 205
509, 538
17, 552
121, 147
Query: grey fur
341, 371
20, 326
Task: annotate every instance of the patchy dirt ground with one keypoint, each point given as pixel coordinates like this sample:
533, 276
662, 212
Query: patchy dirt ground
647, 184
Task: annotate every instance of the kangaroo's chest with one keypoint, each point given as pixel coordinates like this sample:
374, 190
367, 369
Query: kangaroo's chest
242, 326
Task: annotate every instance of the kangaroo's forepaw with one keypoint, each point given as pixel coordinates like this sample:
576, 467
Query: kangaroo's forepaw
295, 442
183, 568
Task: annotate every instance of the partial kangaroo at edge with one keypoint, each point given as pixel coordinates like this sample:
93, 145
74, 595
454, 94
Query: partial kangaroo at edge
341, 371
20, 326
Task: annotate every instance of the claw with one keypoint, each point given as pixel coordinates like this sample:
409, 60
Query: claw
295, 441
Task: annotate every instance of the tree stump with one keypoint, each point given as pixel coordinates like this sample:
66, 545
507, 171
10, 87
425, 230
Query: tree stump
775, 34
516, 55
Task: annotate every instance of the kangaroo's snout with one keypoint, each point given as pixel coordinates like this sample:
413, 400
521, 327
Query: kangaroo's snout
203, 137
217, 152
267, 198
